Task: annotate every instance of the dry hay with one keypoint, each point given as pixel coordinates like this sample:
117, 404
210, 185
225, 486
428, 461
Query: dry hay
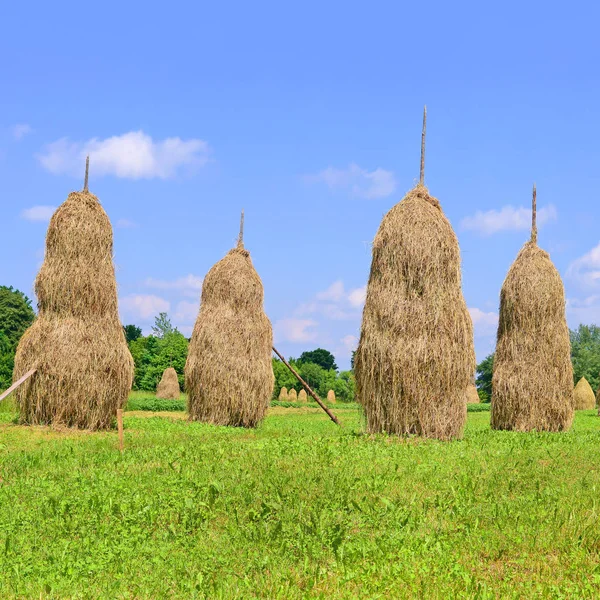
283, 394
228, 373
302, 396
583, 396
472, 395
292, 395
331, 396
415, 357
532, 384
84, 368
168, 387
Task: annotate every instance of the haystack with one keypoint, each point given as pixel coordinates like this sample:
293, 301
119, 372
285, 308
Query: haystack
229, 373
168, 386
415, 357
472, 395
532, 384
331, 396
583, 396
283, 393
292, 395
84, 368
302, 396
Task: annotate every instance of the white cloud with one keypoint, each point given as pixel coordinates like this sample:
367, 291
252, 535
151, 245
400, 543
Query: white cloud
190, 285
133, 155
144, 306
358, 296
349, 343
334, 292
38, 213
484, 323
585, 270
360, 182
187, 311
20, 130
294, 330
125, 224
508, 218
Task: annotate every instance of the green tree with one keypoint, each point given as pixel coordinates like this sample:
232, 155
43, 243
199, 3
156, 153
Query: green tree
16, 315
170, 351
484, 378
132, 332
320, 357
162, 325
585, 354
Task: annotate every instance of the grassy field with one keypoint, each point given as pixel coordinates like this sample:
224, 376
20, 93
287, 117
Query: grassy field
298, 509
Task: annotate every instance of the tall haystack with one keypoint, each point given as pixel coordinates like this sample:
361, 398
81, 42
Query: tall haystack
292, 395
415, 357
583, 396
228, 373
168, 386
283, 394
84, 368
331, 396
472, 395
302, 396
532, 384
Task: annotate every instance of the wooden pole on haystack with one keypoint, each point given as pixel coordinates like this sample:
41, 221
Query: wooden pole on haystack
87, 171
241, 236
533, 216
308, 388
423, 131
16, 384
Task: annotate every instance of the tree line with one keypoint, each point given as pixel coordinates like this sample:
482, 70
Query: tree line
166, 346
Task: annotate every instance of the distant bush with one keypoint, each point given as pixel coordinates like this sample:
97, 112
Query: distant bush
475, 408
155, 404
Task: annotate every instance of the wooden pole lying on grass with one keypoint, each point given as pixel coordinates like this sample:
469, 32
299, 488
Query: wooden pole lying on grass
308, 388
120, 428
16, 384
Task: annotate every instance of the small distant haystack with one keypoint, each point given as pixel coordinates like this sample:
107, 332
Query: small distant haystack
472, 395
415, 357
583, 396
302, 397
283, 394
84, 368
229, 373
292, 396
168, 387
331, 396
532, 384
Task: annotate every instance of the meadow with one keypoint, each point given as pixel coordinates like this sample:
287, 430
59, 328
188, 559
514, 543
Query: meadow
298, 508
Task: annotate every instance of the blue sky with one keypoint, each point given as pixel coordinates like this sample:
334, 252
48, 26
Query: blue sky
308, 116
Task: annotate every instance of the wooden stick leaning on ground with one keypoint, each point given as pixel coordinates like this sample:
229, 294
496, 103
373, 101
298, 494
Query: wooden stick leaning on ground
16, 384
308, 388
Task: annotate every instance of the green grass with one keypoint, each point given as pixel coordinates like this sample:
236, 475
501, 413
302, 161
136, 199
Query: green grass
298, 509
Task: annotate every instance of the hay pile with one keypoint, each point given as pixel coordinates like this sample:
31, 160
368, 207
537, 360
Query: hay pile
84, 368
472, 395
168, 387
331, 396
415, 357
302, 396
583, 396
283, 393
228, 373
532, 385
292, 396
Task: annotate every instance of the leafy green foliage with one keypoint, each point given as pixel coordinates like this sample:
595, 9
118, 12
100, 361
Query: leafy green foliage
585, 354
298, 508
16, 315
153, 354
483, 381
319, 379
154, 404
320, 357
132, 332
